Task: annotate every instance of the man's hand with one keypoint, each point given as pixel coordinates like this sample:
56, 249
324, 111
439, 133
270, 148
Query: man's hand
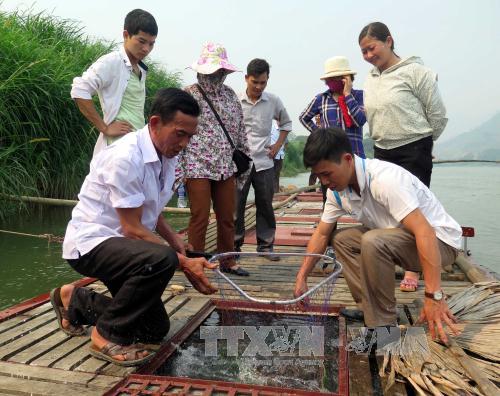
118, 128
177, 243
273, 150
347, 85
194, 269
435, 313
300, 289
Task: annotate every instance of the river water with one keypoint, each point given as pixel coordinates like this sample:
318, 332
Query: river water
31, 266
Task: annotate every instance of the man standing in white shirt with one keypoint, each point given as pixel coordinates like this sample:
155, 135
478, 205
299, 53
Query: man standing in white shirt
119, 78
259, 110
279, 158
110, 237
403, 223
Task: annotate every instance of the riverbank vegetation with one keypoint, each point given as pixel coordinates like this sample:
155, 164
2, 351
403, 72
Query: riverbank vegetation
45, 143
293, 163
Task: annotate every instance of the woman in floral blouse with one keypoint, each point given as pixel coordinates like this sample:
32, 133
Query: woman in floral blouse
206, 164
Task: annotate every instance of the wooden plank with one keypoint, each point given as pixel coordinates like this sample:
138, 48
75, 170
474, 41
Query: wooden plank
24, 317
91, 365
359, 370
55, 376
58, 356
26, 339
39, 348
28, 386
26, 380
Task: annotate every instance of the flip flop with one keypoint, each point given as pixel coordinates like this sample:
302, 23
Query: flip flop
408, 285
129, 352
62, 313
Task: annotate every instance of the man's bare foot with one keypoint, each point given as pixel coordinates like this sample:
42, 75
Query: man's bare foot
66, 293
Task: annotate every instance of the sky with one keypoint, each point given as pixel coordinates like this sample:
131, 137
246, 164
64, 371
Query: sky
459, 40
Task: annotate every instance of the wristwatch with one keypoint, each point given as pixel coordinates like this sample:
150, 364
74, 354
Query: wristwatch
436, 296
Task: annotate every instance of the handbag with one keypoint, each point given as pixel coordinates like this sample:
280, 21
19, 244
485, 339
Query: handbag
241, 160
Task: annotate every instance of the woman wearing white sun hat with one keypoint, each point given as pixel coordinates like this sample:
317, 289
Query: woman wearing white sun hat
339, 106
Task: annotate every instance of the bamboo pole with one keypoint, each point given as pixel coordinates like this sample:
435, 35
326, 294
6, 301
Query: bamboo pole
167, 209
40, 200
298, 190
71, 202
464, 160
279, 204
473, 271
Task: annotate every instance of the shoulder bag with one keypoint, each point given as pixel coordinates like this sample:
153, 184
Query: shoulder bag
241, 160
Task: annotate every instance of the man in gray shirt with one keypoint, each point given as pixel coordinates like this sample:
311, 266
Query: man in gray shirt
259, 110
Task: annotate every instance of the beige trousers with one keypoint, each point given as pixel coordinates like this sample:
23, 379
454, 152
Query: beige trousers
369, 258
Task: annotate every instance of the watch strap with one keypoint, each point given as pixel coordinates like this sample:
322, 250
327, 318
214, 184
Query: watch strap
433, 295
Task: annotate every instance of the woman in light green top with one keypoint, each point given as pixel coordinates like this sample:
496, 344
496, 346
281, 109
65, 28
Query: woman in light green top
404, 110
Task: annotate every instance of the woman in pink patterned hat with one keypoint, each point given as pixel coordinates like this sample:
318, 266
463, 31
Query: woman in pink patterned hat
206, 164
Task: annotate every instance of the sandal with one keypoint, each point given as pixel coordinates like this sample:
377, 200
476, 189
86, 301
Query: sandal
62, 313
238, 271
130, 353
408, 285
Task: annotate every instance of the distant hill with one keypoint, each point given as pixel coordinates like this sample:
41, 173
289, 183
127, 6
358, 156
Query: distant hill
481, 143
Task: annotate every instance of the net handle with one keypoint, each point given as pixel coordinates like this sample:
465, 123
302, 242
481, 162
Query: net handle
336, 272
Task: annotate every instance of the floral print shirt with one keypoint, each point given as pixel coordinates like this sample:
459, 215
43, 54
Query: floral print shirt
209, 154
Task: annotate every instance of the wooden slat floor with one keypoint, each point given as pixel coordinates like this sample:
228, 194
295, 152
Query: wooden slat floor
37, 358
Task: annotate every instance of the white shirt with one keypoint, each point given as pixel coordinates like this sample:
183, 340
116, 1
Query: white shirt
258, 119
108, 77
403, 104
275, 134
388, 194
125, 174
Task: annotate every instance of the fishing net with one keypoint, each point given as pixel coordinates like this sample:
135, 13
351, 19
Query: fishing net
318, 293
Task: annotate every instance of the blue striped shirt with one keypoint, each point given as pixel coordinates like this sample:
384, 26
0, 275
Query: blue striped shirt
330, 116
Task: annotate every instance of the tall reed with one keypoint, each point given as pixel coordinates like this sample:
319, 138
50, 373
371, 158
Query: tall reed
45, 143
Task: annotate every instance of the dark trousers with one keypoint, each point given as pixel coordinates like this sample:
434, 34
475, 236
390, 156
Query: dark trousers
278, 165
262, 183
136, 273
415, 157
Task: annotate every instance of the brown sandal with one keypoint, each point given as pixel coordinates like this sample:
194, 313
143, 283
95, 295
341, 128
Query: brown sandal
62, 313
130, 353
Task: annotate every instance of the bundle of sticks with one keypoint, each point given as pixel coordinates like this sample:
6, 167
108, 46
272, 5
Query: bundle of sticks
469, 365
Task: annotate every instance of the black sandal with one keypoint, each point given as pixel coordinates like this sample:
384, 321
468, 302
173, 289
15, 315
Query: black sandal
62, 313
238, 271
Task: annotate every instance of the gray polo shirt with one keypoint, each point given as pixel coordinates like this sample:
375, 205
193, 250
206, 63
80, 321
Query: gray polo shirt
258, 119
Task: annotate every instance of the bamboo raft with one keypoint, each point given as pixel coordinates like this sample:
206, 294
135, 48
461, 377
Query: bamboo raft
36, 358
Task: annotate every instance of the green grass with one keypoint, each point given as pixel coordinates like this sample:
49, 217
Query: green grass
45, 143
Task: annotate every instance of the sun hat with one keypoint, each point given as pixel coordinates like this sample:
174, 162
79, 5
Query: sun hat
213, 57
337, 66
